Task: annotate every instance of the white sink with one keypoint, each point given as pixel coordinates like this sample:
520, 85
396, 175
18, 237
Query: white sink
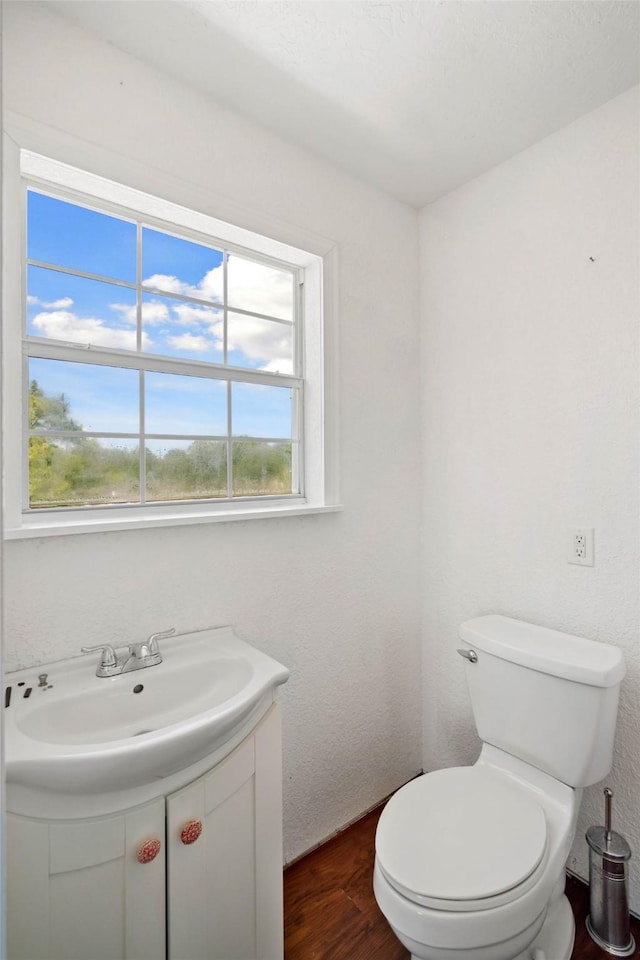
85, 734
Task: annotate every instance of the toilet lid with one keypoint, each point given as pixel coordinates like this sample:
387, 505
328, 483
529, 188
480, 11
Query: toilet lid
460, 834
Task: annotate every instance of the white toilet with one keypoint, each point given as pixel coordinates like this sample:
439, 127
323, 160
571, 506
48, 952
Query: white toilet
470, 861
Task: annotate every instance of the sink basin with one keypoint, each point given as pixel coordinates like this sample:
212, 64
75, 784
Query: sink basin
86, 734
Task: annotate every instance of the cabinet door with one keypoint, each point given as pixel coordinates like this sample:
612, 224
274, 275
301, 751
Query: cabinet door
77, 891
224, 849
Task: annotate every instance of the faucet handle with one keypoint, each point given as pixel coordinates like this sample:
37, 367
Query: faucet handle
108, 658
153, 639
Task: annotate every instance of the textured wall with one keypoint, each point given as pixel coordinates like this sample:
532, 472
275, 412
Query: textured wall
530, 365
530, 387
334, 597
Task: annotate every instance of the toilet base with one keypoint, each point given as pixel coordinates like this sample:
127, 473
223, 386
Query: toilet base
554, 941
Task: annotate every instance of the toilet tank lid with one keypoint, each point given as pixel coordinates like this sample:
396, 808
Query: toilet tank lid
550, 651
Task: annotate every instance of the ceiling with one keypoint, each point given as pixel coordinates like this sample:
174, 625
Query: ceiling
413, 97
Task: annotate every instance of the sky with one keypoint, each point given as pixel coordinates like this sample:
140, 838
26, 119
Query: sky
76, 309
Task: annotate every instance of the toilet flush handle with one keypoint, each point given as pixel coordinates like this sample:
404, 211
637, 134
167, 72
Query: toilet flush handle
469, 655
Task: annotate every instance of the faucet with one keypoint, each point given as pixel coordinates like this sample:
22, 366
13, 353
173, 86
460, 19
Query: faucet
140, 655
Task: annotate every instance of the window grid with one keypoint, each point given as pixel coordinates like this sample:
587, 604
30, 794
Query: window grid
77, 352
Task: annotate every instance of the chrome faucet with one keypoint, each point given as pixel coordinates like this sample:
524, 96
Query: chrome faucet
140, 655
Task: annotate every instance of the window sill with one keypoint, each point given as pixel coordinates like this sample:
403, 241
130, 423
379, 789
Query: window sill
54, 527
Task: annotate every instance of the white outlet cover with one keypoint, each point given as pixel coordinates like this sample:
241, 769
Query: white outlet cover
586, 535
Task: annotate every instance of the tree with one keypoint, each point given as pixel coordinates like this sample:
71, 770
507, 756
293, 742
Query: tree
55, 466
49, 413
41, 451
73, 470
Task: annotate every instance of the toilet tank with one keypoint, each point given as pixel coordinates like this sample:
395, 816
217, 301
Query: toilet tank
547, 697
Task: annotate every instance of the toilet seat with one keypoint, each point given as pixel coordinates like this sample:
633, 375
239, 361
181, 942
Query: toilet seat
461, 839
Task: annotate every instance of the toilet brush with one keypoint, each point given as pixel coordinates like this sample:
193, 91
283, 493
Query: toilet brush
608, 922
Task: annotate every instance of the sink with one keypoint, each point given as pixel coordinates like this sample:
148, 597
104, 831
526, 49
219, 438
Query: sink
134, 705
86, 734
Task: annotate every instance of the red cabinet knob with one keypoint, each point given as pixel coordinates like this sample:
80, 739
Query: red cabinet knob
148, 851
191, 831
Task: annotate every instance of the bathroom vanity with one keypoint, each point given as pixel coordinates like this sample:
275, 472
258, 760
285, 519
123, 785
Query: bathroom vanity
185, 865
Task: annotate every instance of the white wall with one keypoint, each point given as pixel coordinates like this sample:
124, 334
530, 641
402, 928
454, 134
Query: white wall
334, 597
530, 304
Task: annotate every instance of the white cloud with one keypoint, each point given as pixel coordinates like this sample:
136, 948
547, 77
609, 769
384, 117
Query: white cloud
126, 311
280, 365
63, 325
251, 286
211, 286
188, 341
153, 312
261, 289
262, 340
171, 284
187, 315
62, 304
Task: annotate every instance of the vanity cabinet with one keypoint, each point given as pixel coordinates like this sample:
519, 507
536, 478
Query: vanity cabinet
225, 887
195, 875
76, 891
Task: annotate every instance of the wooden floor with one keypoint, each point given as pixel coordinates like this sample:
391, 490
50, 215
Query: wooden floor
330, 912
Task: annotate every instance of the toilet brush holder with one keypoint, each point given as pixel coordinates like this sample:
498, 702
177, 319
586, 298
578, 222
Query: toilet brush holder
609, 922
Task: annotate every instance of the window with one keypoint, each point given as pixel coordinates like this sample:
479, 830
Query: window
161, 367
168, 371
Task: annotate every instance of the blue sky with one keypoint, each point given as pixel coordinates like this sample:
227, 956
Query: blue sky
82, 310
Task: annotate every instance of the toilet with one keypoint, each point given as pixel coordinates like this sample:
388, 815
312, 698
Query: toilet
470, 861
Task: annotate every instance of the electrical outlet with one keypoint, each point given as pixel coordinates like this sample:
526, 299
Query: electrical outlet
580, 546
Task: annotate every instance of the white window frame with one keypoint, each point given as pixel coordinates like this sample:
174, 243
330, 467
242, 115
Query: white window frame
31, 153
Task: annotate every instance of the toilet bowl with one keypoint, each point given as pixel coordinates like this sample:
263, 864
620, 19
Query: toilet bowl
470, 861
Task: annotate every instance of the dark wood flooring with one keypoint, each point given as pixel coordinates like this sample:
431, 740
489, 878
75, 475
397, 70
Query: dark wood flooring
330, 912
